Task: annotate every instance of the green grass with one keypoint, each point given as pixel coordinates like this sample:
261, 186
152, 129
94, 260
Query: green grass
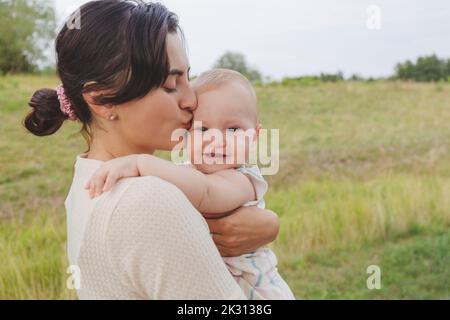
364, 179
415, 266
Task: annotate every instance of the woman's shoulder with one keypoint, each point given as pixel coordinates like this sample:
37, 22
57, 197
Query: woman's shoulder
151, 198
150, 205
140, 199
141, 234
142, 205
148, 189
156, 236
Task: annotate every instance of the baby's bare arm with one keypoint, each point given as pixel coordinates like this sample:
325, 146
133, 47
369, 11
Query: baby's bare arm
219, 192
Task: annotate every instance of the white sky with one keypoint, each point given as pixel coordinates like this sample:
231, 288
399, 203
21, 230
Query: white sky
297, 37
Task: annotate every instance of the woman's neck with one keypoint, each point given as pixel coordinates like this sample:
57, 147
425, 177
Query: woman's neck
104, 150
99, 155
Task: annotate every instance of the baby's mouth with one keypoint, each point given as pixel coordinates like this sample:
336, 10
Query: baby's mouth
217, 156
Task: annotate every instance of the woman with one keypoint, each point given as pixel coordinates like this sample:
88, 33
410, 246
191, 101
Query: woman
124, 76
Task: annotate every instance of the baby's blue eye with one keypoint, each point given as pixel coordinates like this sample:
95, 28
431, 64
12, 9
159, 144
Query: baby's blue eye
233, 129
202, 129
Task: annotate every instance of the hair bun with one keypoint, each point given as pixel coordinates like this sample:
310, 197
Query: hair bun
46, 117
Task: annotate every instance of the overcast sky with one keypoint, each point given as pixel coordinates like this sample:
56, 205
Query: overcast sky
298, 37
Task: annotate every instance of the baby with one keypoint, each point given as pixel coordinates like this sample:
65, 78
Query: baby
218, 178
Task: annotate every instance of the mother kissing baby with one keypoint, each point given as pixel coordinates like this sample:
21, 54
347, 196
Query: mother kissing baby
125, 78
218, 178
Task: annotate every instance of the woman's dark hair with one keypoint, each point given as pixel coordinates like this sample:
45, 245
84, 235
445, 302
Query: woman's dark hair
119, 48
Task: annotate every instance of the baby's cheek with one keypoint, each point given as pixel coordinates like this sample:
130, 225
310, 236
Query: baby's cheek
196, 149
241, 148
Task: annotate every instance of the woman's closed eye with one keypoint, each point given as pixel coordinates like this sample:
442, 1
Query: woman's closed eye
170, 90
176, 80
171, 84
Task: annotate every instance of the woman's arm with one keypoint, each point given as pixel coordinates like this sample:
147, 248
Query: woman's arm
219, 192
244, 230
160, 246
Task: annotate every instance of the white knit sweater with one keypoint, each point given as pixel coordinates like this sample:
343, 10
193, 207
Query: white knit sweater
142, 240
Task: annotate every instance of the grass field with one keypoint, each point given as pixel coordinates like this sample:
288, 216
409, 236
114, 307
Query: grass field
364, 180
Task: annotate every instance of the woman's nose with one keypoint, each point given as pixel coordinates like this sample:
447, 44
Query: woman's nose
189, 99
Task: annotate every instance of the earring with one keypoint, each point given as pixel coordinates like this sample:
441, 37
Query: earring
112, 117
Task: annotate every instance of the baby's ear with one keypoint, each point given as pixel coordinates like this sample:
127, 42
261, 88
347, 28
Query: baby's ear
257, 129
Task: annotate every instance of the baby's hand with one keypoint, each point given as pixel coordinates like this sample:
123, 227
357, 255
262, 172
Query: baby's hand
110, 172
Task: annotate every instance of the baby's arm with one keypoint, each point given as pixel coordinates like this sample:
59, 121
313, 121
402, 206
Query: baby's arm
219, 192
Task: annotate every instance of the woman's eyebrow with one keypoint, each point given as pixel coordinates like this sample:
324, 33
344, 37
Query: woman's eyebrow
178, 72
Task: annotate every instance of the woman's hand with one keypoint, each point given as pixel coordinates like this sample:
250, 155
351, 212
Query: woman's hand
244, 230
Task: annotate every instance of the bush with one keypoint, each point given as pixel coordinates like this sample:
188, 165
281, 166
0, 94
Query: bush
427, 68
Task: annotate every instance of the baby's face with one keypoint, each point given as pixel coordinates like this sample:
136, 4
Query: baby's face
222, 129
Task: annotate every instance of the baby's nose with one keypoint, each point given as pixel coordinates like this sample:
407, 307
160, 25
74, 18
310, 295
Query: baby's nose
219, 148
219, 145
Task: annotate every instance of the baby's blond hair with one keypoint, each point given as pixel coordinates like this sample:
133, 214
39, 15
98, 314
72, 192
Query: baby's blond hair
216, 78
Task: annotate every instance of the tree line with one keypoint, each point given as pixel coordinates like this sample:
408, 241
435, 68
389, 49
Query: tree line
27, 30
427, 68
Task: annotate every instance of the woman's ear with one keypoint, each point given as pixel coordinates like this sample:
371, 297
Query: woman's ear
102, 111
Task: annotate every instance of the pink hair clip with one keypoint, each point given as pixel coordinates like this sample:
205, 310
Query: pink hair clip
64, 104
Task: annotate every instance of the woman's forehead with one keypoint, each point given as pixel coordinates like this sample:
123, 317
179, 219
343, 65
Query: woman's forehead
176, 53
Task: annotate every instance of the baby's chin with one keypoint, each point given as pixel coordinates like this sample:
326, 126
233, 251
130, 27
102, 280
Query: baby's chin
211, 168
